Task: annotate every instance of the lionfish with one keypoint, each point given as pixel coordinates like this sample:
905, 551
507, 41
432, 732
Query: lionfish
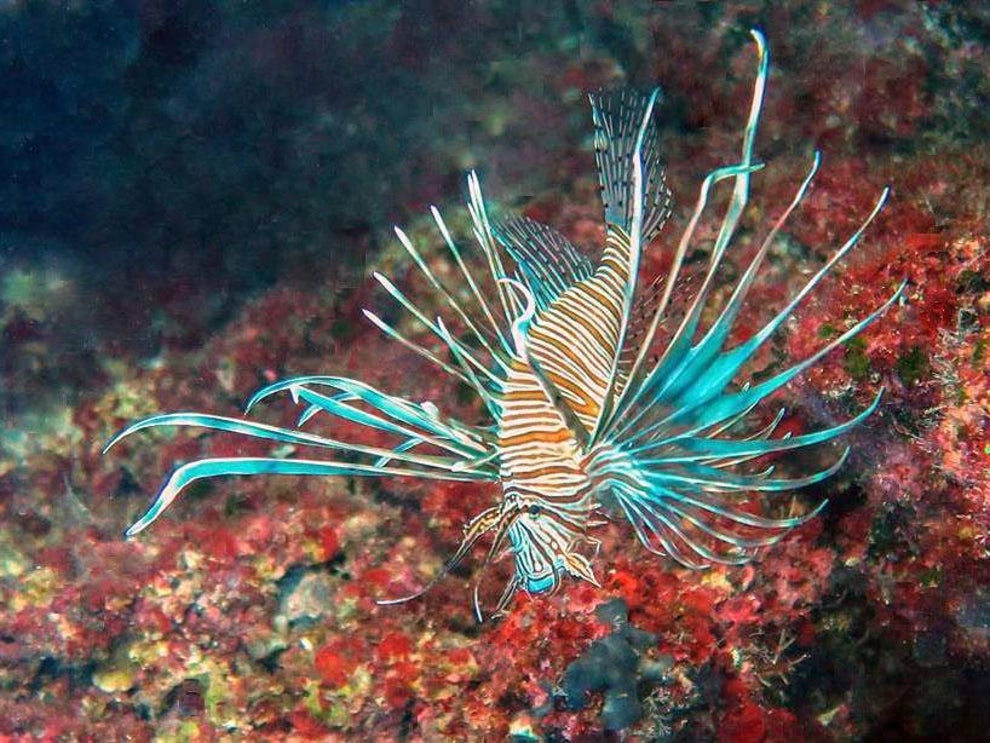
588, 418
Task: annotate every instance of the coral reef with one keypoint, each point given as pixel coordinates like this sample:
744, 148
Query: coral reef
250, 610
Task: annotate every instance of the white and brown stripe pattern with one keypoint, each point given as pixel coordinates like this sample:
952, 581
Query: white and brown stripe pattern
575, 340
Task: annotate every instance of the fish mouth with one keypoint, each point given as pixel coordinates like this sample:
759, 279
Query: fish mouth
541, 584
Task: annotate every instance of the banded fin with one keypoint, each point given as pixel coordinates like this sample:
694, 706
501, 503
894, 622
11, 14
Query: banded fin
185, 475
548, 261
698, 529
637, 203
421, 415
619, 118
666, 452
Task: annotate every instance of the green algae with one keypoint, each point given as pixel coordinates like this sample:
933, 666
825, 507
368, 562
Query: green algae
913, 366
857, 363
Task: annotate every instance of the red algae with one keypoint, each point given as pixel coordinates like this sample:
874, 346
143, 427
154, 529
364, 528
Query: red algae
333, 668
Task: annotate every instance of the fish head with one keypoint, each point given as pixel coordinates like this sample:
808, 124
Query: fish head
545, 543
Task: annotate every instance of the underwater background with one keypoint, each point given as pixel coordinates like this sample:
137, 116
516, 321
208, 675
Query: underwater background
193, 196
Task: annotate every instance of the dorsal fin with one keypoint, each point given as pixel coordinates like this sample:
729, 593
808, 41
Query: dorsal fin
636, 200
640, 316
618, 118
548, 262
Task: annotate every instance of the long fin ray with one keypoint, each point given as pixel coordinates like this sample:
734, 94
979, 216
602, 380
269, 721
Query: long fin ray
663, 521
416, 348
703, 448
635, 388
205, 468
476, 292
714, 480
464, 353
370, 420
640, 515
398, 408
443, 292
486, 395
659, 513
681, 369
711, 410
718, 372
486, 241
737, 203
276, 433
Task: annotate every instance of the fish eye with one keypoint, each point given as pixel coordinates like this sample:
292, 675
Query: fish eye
534, 510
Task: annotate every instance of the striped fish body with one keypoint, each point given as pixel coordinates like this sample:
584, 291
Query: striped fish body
550, 400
